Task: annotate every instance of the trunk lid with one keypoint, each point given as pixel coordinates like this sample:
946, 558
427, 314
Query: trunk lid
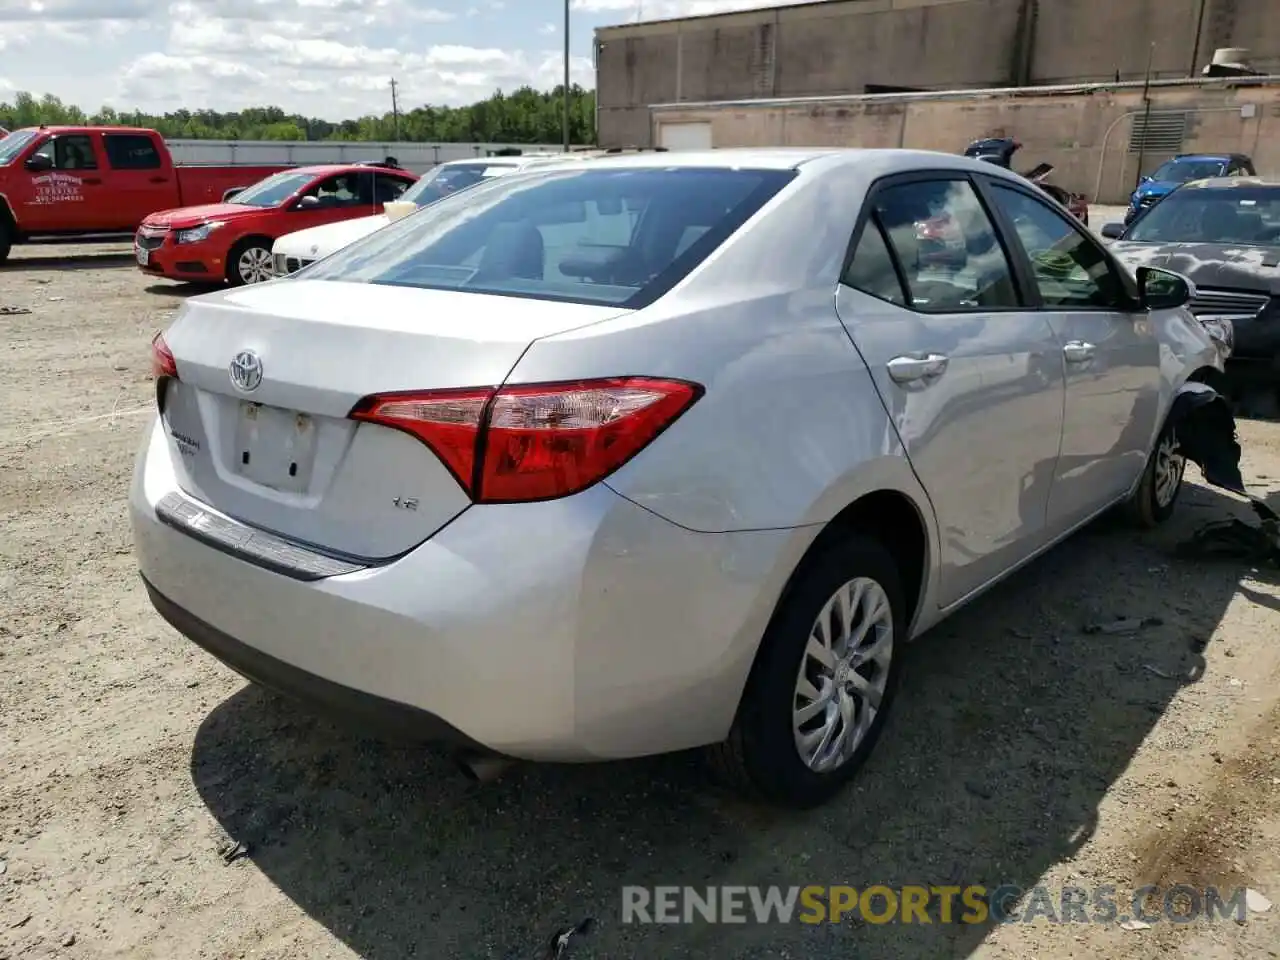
283, 456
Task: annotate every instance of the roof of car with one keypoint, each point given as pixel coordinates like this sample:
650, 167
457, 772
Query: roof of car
1211, 156
793, 158
320, 169
1219, 183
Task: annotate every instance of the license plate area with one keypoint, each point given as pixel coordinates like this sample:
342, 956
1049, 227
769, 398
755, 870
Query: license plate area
275, 448
143, 255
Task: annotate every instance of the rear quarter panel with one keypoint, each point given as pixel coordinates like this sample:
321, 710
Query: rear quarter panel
790, 430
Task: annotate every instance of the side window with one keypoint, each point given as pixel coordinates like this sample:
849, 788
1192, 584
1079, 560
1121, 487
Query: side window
129, 151
72, 152
341, 190
1070, 269
388, 188
871, 270
946, 246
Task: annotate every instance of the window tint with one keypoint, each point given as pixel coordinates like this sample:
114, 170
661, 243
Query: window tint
343, 190
946, 246
871, 270
617, 236
71, 152
1070, 269
387, 188
129, 151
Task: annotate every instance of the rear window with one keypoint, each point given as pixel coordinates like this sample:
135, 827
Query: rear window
619, 237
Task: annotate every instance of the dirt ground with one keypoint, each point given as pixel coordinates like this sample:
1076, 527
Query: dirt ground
1024, 749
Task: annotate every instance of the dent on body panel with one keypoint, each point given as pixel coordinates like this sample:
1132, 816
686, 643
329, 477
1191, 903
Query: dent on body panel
999, 402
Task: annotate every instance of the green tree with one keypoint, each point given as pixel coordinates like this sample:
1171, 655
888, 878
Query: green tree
524, 115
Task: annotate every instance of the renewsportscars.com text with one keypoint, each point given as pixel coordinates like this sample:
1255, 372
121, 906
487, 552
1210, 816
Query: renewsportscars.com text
975, 904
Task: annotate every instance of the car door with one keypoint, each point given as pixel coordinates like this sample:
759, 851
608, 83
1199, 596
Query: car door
341, 196
67, 193
139, 182
972, 379
387, 188
1109, 347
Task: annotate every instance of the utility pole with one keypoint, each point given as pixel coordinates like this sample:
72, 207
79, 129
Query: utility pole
395, 110
566, 76
1146, 117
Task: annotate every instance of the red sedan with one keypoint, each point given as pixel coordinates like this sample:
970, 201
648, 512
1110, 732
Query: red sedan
231, 242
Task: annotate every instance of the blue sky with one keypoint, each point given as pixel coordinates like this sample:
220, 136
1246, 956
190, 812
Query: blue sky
323, 58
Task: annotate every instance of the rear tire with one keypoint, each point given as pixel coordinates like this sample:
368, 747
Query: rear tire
6, 239
1157, 495
794, 700
249, 262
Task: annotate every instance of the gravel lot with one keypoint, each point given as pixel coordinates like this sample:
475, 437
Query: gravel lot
1024, 749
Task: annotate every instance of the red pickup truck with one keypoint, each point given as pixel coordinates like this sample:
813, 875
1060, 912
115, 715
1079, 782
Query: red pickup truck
83, 181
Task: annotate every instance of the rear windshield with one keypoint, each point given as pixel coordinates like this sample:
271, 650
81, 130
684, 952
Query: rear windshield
274, 190
13, 144
444, 180
1180, 171
1235, 215
613, 237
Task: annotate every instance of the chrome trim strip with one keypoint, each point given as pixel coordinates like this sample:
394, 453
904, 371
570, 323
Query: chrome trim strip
249, 543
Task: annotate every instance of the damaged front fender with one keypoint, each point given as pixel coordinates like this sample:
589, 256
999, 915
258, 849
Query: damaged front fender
1202, 420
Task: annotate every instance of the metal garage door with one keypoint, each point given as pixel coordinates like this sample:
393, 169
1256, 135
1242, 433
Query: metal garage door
685, 136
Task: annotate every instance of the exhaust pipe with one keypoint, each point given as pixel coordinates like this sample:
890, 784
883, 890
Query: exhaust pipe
481, 767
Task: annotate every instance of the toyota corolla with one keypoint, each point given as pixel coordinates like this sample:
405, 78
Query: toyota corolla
654, 453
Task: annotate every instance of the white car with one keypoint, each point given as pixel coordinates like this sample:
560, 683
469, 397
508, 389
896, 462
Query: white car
294, 251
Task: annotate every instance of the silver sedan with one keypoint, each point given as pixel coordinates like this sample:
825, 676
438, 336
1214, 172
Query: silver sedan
666, 451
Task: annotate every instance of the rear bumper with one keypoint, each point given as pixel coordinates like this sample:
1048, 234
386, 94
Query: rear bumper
386, 718
579, 629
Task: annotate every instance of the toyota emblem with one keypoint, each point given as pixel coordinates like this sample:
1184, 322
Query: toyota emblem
246, 371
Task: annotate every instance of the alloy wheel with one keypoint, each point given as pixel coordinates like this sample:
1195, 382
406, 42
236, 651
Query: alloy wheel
843, 674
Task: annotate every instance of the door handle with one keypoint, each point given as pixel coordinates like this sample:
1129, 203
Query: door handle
1077, 351
90, 180
912, 369
159, 179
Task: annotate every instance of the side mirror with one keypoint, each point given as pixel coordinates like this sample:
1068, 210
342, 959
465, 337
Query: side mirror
1163, 289
1112, 231
309, 202
38, 163
1146, 178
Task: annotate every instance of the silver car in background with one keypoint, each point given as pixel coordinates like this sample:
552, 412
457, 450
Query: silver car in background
660, 452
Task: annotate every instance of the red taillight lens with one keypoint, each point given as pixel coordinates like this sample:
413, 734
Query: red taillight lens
537, 441
162, 362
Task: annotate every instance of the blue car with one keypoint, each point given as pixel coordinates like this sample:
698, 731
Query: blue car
1181, 169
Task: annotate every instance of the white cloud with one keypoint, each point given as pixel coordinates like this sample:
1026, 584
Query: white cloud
664, 9
325, 58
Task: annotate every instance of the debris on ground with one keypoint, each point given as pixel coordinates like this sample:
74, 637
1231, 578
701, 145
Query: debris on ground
232, 850
1256, 902
1135, 925
558, 945
1125, 625
14, 311
1233, 539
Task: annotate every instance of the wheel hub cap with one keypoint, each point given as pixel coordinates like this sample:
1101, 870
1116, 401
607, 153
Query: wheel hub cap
843, 674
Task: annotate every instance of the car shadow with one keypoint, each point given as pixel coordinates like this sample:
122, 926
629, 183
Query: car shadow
1015, 718
72, 261
180, 289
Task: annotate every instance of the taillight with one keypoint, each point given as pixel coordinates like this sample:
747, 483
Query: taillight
162, 362
534, 441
